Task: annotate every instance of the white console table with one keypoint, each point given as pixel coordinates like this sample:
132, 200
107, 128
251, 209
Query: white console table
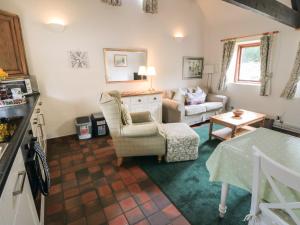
144, 101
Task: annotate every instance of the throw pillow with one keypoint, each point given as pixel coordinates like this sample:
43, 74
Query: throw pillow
196, 98
126, 117
169, 94
180, 95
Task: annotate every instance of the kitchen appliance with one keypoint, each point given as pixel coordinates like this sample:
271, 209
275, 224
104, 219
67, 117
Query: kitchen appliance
24, 85
37, 170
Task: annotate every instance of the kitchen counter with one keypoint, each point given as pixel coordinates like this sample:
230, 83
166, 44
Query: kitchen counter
25, 111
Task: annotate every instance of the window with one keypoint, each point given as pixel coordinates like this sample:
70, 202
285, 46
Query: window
248, 63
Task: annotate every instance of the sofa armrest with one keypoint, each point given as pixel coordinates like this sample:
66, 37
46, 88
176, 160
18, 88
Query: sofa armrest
218, 98
140, 130
141, 117
173, 111
172, 104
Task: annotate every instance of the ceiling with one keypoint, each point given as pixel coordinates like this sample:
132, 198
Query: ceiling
218, 12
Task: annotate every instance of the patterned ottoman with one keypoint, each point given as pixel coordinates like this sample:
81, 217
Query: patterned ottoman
182, 142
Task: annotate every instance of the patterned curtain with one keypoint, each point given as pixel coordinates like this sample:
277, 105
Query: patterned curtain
228, 50
150, 6
113, 2
291, 87
265, 55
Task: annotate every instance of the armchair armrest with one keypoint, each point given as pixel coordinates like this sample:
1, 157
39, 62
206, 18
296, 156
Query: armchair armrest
141, 117
140, 130
218, 98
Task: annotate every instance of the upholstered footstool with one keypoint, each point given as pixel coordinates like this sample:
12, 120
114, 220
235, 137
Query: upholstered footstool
182, 142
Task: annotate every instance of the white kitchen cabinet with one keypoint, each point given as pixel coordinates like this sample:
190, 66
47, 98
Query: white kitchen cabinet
142, 103
16, 202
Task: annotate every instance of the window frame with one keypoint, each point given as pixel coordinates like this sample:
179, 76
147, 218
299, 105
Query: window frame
238, 62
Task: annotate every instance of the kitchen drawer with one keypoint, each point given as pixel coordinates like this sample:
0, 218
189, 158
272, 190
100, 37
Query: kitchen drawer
139, 100
154, 99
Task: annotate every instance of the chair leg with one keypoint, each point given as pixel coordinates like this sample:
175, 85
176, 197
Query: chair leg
159, 158
119, 161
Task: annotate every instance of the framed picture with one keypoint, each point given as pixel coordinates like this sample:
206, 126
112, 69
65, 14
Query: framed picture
192, 67
120, 60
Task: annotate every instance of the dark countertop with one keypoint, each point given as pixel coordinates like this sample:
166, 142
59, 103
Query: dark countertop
8, 158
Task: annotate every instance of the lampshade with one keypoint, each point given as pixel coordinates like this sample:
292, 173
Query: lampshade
142, 71
209, 69
151, 71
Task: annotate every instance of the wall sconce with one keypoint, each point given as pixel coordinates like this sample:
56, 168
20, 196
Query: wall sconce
179, 36
57, 25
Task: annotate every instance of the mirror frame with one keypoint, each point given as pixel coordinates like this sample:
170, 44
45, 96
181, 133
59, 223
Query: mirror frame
122, 50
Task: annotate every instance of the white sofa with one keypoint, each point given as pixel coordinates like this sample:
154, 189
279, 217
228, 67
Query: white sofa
175, 110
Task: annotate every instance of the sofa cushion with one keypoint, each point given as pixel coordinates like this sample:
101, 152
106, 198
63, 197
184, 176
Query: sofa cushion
194, 109
212, 106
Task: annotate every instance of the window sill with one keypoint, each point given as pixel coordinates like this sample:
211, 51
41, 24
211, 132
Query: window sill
246, 83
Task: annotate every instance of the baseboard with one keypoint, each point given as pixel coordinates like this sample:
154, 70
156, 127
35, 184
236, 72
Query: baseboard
286, 126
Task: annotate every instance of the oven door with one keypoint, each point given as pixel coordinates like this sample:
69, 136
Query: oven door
38, 174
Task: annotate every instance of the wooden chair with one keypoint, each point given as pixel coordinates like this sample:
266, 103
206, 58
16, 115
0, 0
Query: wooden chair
281, 212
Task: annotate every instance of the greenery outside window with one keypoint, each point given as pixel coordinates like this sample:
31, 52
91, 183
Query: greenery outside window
247, 68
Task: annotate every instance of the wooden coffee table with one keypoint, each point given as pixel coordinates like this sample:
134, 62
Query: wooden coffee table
234, 126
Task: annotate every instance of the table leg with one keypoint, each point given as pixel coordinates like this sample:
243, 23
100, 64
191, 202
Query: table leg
262, 124
210, 129
233, 132
222, 205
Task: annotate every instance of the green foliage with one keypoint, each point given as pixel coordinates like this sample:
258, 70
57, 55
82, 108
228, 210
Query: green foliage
251, 54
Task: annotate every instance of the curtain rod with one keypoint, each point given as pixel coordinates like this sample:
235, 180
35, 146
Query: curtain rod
253, 35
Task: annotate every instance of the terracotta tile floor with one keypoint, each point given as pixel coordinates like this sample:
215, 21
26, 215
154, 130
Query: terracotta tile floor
88, 189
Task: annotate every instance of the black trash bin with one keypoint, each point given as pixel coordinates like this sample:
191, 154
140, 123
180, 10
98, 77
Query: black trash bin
99, 125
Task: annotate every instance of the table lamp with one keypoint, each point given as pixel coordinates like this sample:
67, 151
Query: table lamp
151, 72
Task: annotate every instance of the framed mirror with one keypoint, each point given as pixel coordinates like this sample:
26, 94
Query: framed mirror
122, 65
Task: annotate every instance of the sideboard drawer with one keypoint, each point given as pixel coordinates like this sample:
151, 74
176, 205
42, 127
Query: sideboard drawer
154, 99
139, 100
126, 101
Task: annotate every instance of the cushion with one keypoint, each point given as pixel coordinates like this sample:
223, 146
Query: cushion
196, 98
180, 94
194, 109
169, 94
212, 106
126, 117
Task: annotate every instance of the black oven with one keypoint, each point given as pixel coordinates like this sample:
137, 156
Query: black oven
36, 168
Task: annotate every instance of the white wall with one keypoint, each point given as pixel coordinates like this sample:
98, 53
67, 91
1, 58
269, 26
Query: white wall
224, 20
92, 26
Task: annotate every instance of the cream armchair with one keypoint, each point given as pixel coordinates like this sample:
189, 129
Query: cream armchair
142, 138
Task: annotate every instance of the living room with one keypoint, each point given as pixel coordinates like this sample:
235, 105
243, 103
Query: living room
208, 106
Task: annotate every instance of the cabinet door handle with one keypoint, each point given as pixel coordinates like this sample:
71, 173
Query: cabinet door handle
38, 110
41, 131
43, 118
139, 100
19, 183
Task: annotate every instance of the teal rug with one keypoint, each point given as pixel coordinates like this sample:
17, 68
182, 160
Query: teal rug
187, 186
